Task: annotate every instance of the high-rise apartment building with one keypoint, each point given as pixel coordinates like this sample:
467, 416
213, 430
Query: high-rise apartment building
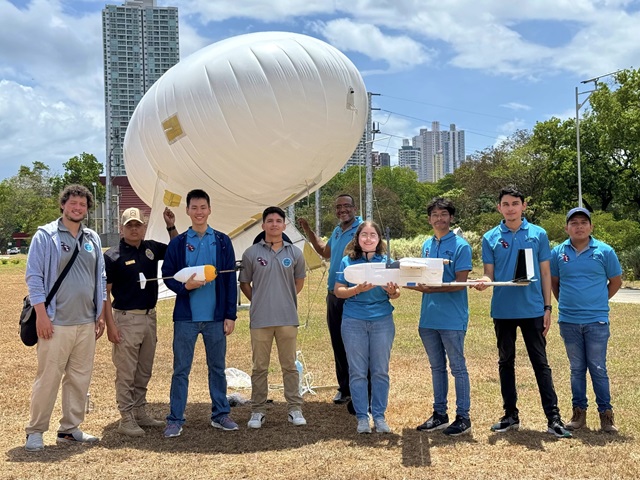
140, 43
409, 156
442, 151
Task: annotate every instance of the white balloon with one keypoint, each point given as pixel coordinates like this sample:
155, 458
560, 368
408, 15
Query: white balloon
255, 120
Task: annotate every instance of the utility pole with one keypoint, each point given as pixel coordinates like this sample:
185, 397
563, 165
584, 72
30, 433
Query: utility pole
370, 132
318, 212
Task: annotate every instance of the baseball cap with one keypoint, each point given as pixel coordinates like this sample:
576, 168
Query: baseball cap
575, 211
131, 214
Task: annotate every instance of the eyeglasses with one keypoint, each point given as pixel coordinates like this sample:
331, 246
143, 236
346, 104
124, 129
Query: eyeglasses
372, 236
440, 215
344, 205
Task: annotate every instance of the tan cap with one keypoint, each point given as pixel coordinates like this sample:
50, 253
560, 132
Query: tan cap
131, 214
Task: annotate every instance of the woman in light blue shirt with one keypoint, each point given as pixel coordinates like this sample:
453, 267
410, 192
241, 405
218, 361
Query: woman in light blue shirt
367, 329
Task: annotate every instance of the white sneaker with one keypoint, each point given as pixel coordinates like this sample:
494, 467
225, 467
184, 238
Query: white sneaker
76, 437
256, 420
34, 442
363, 426
295, 417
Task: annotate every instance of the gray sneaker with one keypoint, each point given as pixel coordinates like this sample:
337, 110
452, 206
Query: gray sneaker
224, 423
34, 442
296, 417
381, 425
76, 437
363, 426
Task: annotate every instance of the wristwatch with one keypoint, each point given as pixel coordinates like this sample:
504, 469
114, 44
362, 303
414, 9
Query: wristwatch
548, 307
171, 229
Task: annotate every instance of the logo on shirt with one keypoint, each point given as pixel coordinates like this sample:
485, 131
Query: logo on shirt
426, 252
503, 243
565, 257
65, 247
149, 254
262, 261
88, 247
286, 262
190, 247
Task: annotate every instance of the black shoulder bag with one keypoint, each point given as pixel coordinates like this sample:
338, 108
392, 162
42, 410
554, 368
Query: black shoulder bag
28, 333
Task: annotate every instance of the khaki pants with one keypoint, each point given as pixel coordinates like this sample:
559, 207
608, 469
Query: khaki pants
67, 356
133, 357
261, 343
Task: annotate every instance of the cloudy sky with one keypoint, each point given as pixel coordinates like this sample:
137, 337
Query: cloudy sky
490, 67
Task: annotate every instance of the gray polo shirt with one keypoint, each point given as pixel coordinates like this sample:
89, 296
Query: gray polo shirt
273, 275
74, 299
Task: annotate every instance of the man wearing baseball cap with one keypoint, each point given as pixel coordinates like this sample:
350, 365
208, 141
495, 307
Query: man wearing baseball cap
585, 274
131, 317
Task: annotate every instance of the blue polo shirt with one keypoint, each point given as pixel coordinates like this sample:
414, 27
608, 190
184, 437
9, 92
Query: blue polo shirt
447, 310
584, 296
371, 305
338, 242
202, 251
500, 248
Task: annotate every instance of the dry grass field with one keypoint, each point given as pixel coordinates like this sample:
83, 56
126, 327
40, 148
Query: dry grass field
329, 447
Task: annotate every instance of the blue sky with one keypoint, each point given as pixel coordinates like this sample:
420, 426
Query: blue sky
490, 67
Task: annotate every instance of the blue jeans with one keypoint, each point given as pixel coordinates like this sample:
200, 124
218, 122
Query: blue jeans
368, 346
440, 344
586, 346
185, 335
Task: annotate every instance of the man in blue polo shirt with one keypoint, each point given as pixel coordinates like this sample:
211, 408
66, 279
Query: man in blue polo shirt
334, 249
585, 274
443, 320
527, 307
201, 308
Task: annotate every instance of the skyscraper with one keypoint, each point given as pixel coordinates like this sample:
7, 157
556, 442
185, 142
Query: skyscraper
442, 151
409, 157
140, 43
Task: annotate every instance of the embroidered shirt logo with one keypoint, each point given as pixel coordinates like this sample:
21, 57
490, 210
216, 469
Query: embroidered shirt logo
88, 247
149, 254
286, 262
262, 261
503, 243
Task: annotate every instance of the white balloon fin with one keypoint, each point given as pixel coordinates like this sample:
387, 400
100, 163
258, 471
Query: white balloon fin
143, 281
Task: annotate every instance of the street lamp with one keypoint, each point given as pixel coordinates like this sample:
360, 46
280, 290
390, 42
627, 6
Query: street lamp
579, 105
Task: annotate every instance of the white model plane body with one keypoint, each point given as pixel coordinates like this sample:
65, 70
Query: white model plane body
410, 272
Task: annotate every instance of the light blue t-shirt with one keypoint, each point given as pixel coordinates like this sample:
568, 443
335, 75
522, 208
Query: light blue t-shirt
584, 296
338, 242
202, 251
371, 305
447, 310
500, 248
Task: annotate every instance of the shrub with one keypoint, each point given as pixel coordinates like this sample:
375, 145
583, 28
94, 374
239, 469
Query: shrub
630, 261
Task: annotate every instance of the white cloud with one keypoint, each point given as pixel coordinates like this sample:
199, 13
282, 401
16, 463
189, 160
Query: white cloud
272, 11
515, 106
399, 52
511, 126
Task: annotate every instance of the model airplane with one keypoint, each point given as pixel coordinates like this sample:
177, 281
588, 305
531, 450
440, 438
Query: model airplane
206, 273
411, 272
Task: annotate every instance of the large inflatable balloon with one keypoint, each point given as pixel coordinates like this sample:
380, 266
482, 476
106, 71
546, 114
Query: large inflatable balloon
255, 120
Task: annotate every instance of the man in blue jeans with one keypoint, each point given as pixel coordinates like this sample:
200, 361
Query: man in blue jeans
585, 274
443, 321
201, 308
527, 307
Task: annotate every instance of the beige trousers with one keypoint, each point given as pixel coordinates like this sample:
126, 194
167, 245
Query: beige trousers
261, 343
68, 357
133, 357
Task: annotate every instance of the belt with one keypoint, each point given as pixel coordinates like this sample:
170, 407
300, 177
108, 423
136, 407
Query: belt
137, 311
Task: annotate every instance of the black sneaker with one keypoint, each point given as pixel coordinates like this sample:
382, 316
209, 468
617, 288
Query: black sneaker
556, 427
509, 422
460, 426
341, 398
436, 422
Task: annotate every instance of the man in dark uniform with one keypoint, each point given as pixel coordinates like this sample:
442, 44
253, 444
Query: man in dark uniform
131, 317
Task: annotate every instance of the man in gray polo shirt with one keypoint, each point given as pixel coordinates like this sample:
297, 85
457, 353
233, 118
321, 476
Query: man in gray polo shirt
69, 327
272, 275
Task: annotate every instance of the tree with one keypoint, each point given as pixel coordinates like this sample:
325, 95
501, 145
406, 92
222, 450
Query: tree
83, 169
27, 200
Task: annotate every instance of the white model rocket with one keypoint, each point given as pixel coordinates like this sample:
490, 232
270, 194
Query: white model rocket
410, 272
206, 273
